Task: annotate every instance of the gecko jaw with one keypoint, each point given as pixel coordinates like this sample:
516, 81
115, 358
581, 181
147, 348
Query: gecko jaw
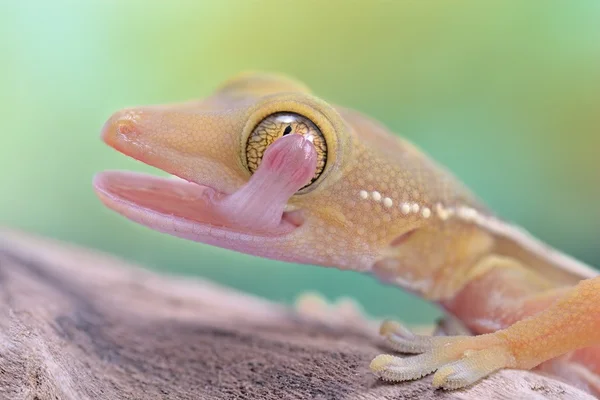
178, 207
202, 213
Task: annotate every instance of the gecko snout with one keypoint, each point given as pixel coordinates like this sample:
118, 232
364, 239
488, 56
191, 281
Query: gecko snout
121, 125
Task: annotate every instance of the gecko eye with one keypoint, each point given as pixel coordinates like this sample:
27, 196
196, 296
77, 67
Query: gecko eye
277, 125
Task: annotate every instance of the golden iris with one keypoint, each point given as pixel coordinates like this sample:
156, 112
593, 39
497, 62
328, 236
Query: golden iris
280, 124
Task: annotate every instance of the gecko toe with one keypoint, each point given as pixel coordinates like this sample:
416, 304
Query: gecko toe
401, 339
397, 369
474, 366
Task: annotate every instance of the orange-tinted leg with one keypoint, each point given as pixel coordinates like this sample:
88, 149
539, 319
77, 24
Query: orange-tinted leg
571, 323
554, 323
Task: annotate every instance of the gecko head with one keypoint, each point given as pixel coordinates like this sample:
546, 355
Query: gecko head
262, 167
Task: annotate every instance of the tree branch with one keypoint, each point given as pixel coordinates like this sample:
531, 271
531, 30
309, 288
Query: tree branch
76, 324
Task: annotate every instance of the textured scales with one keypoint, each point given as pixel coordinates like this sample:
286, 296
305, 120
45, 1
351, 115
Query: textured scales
379, 205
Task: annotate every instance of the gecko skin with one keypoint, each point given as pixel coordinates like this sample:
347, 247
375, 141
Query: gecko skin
269, 169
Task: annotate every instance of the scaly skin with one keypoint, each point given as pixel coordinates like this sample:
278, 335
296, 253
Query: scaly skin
351, 195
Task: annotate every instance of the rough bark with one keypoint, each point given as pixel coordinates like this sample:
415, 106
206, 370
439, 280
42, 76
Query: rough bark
76, 324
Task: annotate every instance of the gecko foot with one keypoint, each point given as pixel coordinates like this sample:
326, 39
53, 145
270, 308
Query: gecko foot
458, 360
344, 311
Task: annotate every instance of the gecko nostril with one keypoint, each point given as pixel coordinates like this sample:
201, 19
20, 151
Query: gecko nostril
120, 125
125, 127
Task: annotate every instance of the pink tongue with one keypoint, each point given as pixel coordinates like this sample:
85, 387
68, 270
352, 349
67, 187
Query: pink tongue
287, 165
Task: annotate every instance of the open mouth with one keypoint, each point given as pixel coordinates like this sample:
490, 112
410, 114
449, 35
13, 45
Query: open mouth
173, 205
258, 210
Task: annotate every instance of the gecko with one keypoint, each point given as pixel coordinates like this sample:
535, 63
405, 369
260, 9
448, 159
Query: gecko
265, 167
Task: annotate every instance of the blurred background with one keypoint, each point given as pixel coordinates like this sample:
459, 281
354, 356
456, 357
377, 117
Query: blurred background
506, 94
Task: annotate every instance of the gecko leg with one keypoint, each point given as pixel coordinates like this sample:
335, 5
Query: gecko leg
572, 322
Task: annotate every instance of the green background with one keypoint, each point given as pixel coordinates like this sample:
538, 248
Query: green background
505, 93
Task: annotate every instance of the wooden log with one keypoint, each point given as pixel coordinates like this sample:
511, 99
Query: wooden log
77, 324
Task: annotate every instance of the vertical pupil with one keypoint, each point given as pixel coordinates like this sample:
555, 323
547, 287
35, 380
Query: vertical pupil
288, 129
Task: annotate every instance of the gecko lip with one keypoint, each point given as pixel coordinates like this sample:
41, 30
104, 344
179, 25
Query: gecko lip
177, 207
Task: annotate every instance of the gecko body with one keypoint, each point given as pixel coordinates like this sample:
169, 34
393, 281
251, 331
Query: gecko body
271, 170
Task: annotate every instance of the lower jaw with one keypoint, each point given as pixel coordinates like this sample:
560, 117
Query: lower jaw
177, 207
